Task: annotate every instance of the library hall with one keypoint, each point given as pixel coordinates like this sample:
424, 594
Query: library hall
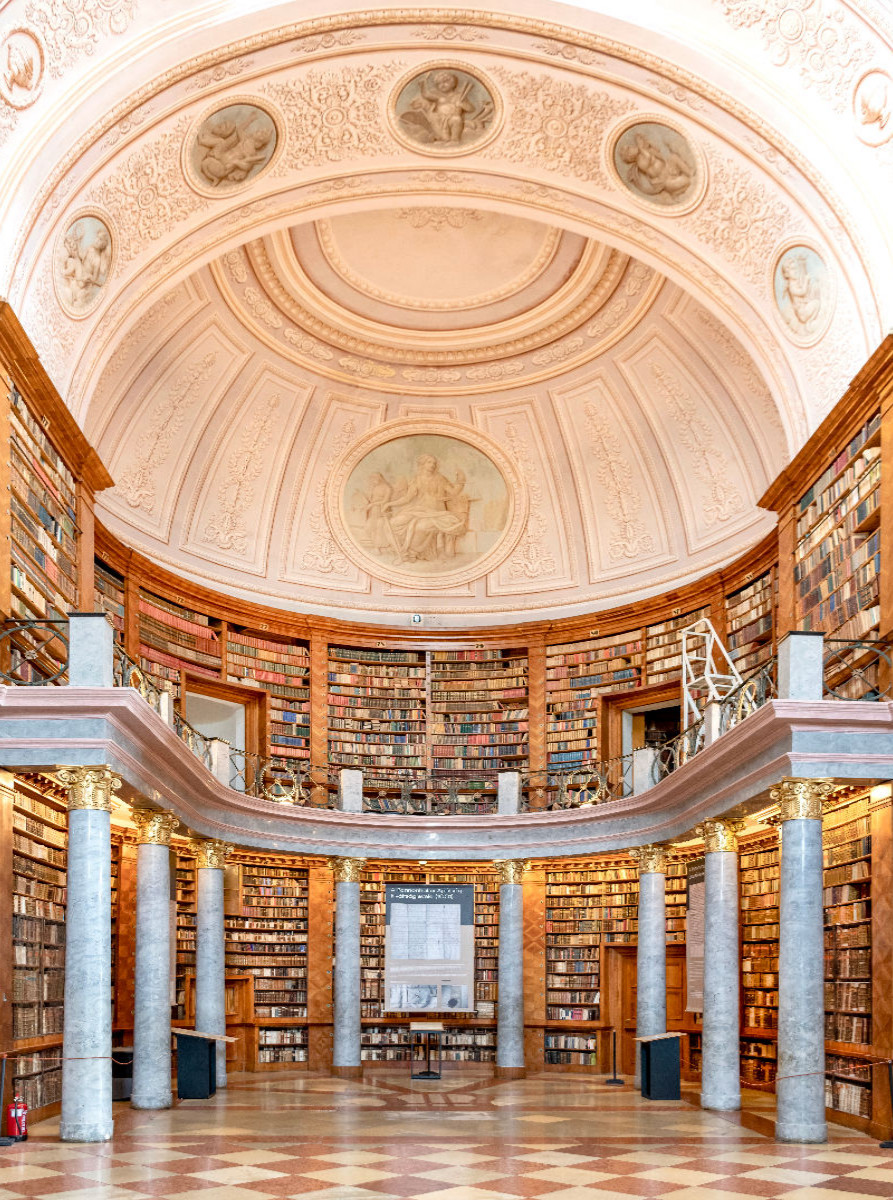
446, 631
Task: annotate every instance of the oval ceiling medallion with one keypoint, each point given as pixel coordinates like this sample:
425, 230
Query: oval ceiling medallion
445, 108
804, 293
82, 262
657, 164
229, 147
426, 505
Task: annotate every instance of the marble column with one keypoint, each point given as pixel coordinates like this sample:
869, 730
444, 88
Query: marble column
152, 974
651, 954
510, 1006
346, 1056
721, 1048
87, 1028
210, 964
800, 1083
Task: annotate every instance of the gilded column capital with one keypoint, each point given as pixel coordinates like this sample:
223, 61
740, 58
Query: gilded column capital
89, 787
347, 870
211, 852
720, 835
511, 870
801, 798
153, 828
652, 859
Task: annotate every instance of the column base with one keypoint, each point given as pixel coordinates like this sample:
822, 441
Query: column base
347, 1072
795, 1132
721, 1103
86, 1132
510, 1072
152, 1103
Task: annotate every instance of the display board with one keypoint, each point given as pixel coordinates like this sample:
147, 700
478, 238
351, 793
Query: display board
694, 943
429, 948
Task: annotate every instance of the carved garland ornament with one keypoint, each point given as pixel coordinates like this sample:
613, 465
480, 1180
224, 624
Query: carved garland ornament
211, 853
89, 787
154, 828
801, 799
652, 859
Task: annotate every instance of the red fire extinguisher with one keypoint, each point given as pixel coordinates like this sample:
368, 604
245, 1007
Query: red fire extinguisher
17, 1119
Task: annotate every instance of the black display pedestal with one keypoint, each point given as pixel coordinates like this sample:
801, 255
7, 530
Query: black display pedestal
660, 1066
425, 1051
196, 1063
122, 1072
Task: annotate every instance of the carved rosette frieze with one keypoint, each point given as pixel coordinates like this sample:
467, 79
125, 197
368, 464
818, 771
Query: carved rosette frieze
154, 828
211, 853
89, 787
652, 859
720, 835
800, 799
347, 870
511, 870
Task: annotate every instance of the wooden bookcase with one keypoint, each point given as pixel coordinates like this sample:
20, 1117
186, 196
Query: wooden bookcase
377, 708
478, 715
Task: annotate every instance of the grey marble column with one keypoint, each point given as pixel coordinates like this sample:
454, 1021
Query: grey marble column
152, 986
651, 953
346, 1056
87, 1023
721, 1048
210, 963
800, 1083
510, 1006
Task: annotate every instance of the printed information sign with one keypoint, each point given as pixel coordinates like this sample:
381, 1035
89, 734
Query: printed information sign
429, 948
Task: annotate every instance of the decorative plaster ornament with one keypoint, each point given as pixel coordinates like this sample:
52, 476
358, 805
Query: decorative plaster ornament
658, 165
21, 68
445, 108
230, 147
82, 263
873, 107
426, 505
804, 293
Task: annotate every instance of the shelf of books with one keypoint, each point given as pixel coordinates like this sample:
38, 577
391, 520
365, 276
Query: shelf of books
846, 838
174, 638
281, 666
38, 929
186, 902
663, 647
577, 673
749, 623
377, 707
108, 595
837, 556
43, 545
759, 881
478, 710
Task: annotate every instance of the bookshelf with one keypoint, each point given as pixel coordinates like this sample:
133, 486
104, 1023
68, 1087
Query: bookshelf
577, 673
663, 646
174, 639
837, 553
478, 716
750, 623
185, 885
377, 708
846, 838
108, 595
281, 666
759, 884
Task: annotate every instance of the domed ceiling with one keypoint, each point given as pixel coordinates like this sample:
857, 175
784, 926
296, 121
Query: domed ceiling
373, 314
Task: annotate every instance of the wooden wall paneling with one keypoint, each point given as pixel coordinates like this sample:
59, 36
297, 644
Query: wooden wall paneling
319, 700
718, 611
6, 955
536, 706
787, 588
132, 616
232, 890
885, 576
5, 523
125, 933
86, 549
881, 964
534, 893
320, 948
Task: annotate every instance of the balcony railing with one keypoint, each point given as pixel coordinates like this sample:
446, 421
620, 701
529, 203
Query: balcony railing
675, 753
857, 670
34, 653
579, 787
749, 696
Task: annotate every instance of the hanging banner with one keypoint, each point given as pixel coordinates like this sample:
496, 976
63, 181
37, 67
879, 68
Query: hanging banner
429, 948
694, 937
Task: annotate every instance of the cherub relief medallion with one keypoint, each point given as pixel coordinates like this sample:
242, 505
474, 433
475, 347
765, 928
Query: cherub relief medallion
873, 107
230, 147
804, 293
21, 67
445, 108
658, 165
82, 263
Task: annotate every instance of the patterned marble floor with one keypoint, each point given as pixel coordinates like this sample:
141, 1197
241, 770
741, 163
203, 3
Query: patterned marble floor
565, 1137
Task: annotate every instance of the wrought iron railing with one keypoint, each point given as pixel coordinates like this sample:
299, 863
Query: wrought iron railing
857, 670
751, 694
34, 653
198, 743
673, 754
583, 786
127, 673
281, 780
431, 793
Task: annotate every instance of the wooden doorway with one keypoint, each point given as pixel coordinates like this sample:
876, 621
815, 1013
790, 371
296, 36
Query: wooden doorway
620, 992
